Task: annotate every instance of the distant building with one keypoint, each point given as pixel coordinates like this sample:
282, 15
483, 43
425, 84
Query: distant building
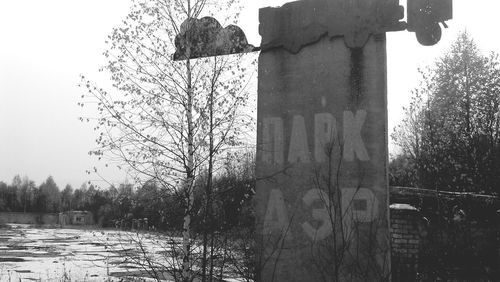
76, 218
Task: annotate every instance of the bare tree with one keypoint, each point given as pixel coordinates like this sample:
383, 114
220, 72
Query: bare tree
165, 119
450, 131
358, 249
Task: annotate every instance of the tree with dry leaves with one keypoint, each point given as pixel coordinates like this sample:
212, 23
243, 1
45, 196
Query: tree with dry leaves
168, 120
450, 135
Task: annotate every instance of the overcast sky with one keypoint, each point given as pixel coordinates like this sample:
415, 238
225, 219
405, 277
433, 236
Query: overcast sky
45, 45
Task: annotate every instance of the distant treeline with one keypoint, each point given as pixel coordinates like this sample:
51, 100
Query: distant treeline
164, 209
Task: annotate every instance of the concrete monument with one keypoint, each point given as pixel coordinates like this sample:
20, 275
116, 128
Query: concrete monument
322, 191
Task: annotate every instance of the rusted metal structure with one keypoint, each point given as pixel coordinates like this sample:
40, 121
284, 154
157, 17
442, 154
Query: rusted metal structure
206, 37
300, 23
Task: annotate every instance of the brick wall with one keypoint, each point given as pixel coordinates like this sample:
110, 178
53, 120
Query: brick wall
405, 241
442, 248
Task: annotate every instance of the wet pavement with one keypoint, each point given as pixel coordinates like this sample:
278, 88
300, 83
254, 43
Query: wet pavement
44, 254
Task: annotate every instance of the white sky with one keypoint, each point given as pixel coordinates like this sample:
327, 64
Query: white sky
45, 45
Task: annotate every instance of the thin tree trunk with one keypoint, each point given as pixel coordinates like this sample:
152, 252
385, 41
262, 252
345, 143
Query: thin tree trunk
212, 243
189, 197
208, 208
209, 191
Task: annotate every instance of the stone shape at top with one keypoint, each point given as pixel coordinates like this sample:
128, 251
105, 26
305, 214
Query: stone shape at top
298, 24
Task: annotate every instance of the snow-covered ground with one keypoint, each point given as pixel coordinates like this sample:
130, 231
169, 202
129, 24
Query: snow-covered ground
38, 254
63, 255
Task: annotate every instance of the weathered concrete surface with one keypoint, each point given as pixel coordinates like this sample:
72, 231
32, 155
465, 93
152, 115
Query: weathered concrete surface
322, 193
300, 23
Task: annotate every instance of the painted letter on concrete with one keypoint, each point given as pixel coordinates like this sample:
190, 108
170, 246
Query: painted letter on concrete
318, 134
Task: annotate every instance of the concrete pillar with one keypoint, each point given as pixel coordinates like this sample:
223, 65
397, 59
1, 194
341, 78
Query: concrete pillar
322, 191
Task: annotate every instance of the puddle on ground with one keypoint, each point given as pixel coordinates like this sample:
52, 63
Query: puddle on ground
31, 254
23, 271
52, 255
12, 260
